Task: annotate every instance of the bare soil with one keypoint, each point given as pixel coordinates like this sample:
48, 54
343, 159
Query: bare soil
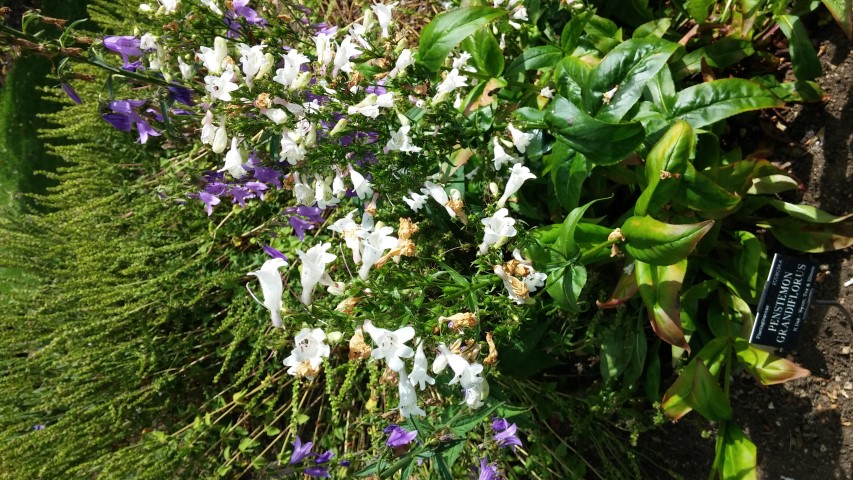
804, 428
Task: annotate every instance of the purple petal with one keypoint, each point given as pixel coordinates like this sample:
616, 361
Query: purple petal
118, 121
182, 95
239, 195
314, 214
324, 457
209, 201
272, 252
299, 226
319, 472
499, 424
257, 188
125, 45
300, 450
72, 94
145, 130
268, 175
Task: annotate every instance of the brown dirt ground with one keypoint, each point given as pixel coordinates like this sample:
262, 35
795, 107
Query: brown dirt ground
804, 428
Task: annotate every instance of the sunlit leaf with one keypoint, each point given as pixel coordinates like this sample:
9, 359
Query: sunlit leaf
804, 60
660, 288
665, 166
660, 243
808, 236
448, 29
707, 397
767, 368
737, 458
710, 102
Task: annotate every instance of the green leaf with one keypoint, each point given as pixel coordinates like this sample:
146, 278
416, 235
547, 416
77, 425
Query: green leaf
655, 28
806, 212
675, 401
448, 29
651, 385
701, 194
842, 11
710, 102
571, 75
565, 286
737, 460
662, 90
463, 424
721, 54
808, 236
767, 368
637, 357
771, 184
659, 243
748, 260
602, 143
660, 287
534, 58
707, 397
665, 164
248, 444
568, 170
698, 9
737, 177
572, 32
804, 60
791, 91
627, 68
566, 243
486, 55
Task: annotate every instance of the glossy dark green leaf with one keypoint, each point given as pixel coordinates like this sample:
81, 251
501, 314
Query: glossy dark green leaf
660, 288
662, 91
804, 59
572, 32
710, 102
486, 55
565, 286
534, 58
737, 177
568, 171
571, 75
659, 243
707, 397
627, 69
721, 54
698, 9
637, 358
748, 260
665, 165
807, 91
601, 142
566, 243
448, 29
737, 459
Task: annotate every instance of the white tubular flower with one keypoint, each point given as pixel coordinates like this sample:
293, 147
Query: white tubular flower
451, 82
168, 6
290, 150
186, 69
439, 195
471, 376
366, 107
501, 157
305, 359
516, 289
533, 280
446, 357
401, 142
220, 87
408, 396
292, 63
207, 128
234, 161
499, 227
475, 395
415, 201
383, 16
314, 263
461, 61
220, 137
374, 244
349, 229
345, 52
323, 192
520, 139
419, 373
253, 60
214, 58
271, 287
213, 6
391, 345
547, 92
323, 45
303, 191
404, 61
338, 187
277, 115
148, 42
360, 185
517, 176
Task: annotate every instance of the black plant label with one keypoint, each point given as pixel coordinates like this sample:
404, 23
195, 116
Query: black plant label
784, 303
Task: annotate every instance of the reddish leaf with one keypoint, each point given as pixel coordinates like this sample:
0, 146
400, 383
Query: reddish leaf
660, 287
625, 290
767, 368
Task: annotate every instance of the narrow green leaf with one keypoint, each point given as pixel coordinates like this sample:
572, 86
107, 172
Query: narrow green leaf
738, 460
602, 143
702, 195
808, 236
572, 32
665, 165
737, 177
721, 54
662, 90
710, 102
767, 368
571, 75
660, 287
748, 259
448, 29
659, 243
771, 184
804, 59
566, 243
806, 212
627, 69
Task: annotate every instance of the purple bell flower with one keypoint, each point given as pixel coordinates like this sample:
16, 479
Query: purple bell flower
274, 253
400, 437
240, 9
488, 471
268, 175
300, 226
300, 451
317, 472
209, 200
181, 95
72, 94
126, 46
324, 457
125, 115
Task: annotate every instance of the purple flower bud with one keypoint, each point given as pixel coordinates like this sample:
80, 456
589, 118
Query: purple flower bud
274, 253
181, 94
324, 457
318, 472
344, 463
